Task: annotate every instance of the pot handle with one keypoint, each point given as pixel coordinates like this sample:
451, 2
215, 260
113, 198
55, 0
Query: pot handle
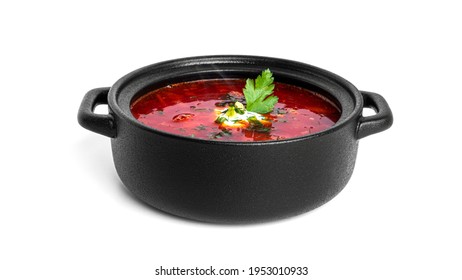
102, 124
378, 122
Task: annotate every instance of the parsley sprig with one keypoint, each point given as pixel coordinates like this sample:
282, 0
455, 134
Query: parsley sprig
258, 93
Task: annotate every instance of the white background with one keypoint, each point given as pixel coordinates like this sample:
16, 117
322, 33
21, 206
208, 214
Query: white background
65, 215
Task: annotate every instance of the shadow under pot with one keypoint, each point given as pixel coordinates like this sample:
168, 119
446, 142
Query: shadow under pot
171, 152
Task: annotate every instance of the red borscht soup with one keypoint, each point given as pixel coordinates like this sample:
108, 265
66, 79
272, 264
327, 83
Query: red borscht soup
191, 109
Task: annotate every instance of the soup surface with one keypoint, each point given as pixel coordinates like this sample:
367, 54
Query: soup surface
191, 109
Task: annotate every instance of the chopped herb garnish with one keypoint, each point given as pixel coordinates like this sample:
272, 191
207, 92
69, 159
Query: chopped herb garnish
224, 132
239, 108
201, 109
281, 111
256, 125
258, 93
224, 103
220, 119
201, 127
230, 98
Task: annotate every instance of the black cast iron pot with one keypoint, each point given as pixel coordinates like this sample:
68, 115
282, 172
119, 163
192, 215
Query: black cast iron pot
275, 179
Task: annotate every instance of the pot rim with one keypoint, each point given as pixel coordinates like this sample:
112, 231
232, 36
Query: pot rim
243, 60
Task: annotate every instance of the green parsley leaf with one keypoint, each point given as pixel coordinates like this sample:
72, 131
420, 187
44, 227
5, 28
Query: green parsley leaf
258, 93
